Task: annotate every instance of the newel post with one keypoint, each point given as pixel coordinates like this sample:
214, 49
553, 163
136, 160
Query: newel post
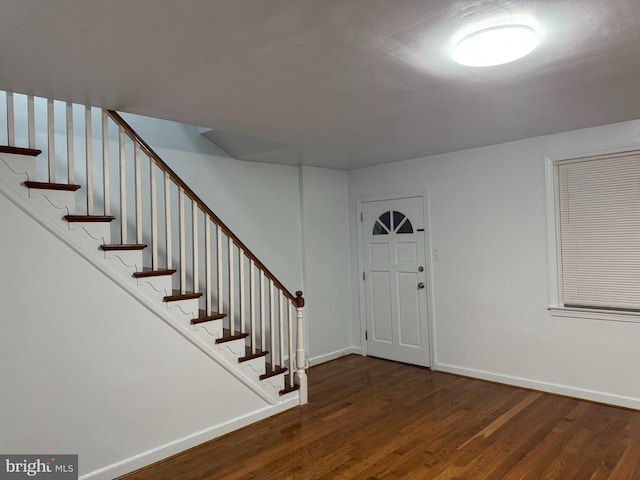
300, 357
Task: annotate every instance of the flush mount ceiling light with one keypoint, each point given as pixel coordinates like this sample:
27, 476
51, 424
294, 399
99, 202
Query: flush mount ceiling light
495, 45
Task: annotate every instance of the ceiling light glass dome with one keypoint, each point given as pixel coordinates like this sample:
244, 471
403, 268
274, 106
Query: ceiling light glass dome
495, 45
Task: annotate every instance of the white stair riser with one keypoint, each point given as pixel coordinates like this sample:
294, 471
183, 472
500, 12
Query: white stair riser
60, 199
130, 259
208, 331
273, 384
256, 365
15, 169
22, 166
160, 286
183, 310
233, 349
90, 233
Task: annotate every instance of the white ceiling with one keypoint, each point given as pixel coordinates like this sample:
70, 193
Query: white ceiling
334, 83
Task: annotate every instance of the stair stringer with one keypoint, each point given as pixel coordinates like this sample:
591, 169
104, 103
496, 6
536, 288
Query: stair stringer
45, 208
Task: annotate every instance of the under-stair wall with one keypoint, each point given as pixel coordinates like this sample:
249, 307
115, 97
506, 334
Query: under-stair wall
87, 369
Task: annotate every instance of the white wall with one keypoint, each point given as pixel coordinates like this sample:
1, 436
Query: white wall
326, 270
491, 286
86, 369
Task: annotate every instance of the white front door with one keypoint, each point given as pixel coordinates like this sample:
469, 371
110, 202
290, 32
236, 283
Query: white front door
395, 279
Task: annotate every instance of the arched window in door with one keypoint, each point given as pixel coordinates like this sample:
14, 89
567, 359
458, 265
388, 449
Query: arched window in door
392, 222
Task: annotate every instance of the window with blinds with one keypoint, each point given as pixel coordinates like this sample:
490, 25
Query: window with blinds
599, 222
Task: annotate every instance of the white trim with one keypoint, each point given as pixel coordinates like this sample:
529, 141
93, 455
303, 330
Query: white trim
431, 331
431, 294
594, 314
567, 390
326, 357
188, 441
553, 243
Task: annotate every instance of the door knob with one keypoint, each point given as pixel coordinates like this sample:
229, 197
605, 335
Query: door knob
421, 285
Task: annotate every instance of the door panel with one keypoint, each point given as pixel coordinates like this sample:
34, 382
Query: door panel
408, 310
381, 299
407, 253
379, 253
396, 307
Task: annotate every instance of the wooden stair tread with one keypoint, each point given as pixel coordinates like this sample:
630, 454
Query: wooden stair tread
124, 246
288, 387
149, 272
89, 218
176, 295
272, 371
250, 355
20, 151
203, 317
227, 337
67, 187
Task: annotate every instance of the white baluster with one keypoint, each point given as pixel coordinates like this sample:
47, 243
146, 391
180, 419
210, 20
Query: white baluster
167, 219
232, 293
194, 227
138, 192
153, 191
281, 300
183, 254
123, 186
89, 158
263, 320
11, 119
70, 159
290, 336
31, 122
219, 266
106, 193
272, 321
243, 327
300, 357
51, 142
207, 262
252, 303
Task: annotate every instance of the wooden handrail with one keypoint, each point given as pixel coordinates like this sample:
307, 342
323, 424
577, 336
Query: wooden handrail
115, 116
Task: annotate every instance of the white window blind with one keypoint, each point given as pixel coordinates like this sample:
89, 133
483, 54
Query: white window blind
599, 208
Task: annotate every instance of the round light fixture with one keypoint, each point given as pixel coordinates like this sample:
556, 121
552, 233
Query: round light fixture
495, 45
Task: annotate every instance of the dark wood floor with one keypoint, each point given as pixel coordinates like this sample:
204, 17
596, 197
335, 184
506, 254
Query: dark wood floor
373, 419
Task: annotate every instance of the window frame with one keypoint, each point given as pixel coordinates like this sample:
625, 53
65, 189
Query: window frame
556, 306
393, 228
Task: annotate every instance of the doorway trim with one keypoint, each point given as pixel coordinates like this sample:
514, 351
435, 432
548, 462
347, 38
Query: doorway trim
429, 265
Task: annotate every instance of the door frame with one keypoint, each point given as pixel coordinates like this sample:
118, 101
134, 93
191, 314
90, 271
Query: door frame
430, 314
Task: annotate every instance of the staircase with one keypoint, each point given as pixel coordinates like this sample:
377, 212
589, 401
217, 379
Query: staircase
85, 175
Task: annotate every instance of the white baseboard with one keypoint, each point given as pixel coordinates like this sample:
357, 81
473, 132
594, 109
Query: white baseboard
567, 390
181, 444
333, 355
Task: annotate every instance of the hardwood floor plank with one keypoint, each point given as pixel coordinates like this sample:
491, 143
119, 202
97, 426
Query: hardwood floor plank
500, 421
372, 419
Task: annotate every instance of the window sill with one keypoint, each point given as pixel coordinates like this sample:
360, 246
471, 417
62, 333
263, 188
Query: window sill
594, 314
